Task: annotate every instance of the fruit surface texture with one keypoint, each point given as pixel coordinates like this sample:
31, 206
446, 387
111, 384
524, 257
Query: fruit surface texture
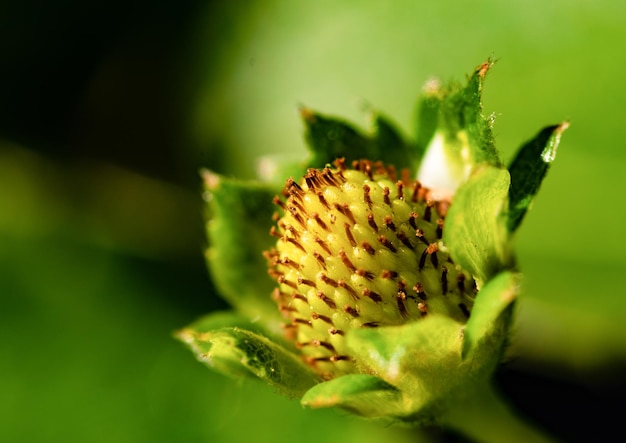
360, 247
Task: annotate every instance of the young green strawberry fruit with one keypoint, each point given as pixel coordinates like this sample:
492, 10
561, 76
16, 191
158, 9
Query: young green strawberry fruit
358, 248
396, 295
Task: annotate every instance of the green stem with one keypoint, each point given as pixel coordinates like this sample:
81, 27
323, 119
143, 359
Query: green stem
487, 418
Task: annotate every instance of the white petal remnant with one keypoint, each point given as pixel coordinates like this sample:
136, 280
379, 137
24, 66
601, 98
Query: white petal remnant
438, 172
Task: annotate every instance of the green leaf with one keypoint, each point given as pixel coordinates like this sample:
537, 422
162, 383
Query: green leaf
244, 354
528, 169
488, 319
362, 394
238, 228
475, 232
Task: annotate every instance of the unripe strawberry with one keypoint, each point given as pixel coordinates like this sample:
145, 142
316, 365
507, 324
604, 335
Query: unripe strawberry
358, 248
361, 260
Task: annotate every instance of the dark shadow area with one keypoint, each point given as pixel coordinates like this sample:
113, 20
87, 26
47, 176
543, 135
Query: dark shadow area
575, 410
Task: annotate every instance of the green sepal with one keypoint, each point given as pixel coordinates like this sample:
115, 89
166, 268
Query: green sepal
392, 147
464, 124
428, 115
528, 169
422, 359
361, 394
331, 138
489, 320
403, 355
458, 136
240, 353
225, 319
275, 169
221, 319
475, 232
435, 360
240, 217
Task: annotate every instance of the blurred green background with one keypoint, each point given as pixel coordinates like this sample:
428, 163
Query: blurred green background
108, 110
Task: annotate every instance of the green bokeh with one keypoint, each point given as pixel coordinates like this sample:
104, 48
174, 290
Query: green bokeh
93, 259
